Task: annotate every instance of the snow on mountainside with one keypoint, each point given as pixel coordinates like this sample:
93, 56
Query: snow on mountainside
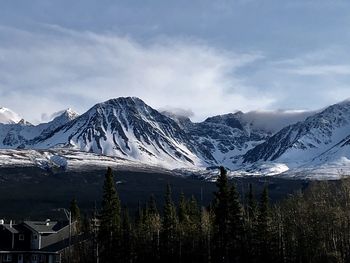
64, 115
24, 135
7, 116
128, 128
227, 136
302, 142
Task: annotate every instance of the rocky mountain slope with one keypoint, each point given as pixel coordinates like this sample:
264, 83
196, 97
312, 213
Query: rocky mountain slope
25, 135
129, 129
304, 141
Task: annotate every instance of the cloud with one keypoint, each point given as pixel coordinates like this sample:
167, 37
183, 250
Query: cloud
323, 62
56, 68
45, 117
323, 70
53, 68
276, 120
179, 112
307, 80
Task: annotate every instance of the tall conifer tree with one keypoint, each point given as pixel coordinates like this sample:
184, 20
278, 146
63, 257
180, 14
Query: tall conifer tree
221, 211
109, 234
75, 213
235, 226
169, 227
263, 228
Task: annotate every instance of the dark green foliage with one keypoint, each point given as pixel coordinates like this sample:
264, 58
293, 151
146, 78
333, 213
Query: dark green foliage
235, 227
228, 222
188, 229
263, 228
221, 211
169, 230
152, 206
74, 209
183, 217
75, 214
308, 227
250, 222
109, 235
127, 238
251, 207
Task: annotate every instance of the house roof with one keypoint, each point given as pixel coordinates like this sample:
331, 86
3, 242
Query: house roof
63, 244
43, 227
11, 228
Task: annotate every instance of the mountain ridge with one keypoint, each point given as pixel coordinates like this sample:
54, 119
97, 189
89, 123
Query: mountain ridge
128, 128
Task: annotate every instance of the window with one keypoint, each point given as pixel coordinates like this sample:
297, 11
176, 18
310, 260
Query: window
7, 258
34, 258
35, 236
58, 258
21, 237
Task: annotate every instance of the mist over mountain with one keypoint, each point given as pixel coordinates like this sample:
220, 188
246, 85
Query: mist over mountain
274, 121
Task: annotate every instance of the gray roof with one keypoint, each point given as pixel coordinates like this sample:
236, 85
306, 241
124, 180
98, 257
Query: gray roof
10, 228
43, 227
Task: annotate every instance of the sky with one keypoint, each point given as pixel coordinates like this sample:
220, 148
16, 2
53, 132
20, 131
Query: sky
201, 57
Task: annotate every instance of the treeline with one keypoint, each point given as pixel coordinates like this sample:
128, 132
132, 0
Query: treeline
310, 226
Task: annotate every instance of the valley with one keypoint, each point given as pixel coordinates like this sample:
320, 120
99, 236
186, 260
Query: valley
32, 193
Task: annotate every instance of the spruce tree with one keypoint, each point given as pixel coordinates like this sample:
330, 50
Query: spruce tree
192, 236
169, 227
235, 226
182, 208
184, 227
127, 237
153, 228
263, 228
250, 222
109, 235
75, 213
206, 236
140, 231
251, 204
221, 211
152, 205
194, 210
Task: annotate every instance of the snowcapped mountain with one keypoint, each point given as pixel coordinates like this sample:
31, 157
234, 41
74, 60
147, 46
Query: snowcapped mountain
64, 116
227, 137
304, 141
128, 128
24, 135
7, 116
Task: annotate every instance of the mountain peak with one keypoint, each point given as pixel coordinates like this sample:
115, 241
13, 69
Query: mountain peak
230, 119
132, 102
8, 116
129, 105
67, 115
24, 122
71, 114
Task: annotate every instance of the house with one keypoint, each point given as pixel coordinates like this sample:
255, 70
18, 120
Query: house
34, 241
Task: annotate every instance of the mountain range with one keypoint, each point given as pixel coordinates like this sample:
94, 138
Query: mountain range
129, 129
